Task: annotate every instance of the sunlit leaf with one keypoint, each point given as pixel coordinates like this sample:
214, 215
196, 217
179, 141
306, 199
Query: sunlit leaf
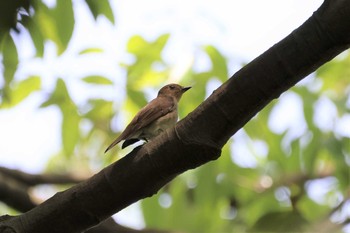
56, 24
160, 42
91, 50
22, 90
95, 79
138, 46
219, 65
101, 7
137, 97
196, 94
58, 96
46, 24
64, 21
71, 119
148, 67
101, 112
70, 129
148, 78
136, 43
35, 33
335, 74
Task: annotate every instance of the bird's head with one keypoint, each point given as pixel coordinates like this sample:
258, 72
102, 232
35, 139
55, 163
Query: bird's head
173, 90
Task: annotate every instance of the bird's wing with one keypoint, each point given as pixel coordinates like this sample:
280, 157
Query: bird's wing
152, 111
128, 142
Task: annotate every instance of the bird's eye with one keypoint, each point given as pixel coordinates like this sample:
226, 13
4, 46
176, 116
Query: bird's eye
171, 87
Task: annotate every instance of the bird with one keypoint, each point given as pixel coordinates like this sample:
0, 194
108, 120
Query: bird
154, 118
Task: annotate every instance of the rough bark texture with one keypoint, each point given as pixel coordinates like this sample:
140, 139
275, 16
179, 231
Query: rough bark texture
198, 138
14, 185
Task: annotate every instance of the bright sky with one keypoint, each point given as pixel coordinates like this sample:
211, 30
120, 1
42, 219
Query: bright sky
241, 29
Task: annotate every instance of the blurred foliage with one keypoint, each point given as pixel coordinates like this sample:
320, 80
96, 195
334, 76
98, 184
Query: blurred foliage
10, 11
267, 180
273, 193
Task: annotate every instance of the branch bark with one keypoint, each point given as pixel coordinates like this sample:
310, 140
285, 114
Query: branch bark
198, 138
14, 186
36, 179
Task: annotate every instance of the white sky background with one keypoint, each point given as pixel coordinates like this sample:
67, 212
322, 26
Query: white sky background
241, 29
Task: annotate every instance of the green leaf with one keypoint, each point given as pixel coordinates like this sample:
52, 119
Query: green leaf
151, 51
219, 66
35, 33
311, 210
26, 87
100, 113
148, 61
280, 222
58, 96
55, 24
101, 7
136, 97
10, 58
70, 117
22, 90
335, 74
136, 43
47, 24
95, 79
64, 19
153, 214
293, 161
91, 50
70, 129
161, 41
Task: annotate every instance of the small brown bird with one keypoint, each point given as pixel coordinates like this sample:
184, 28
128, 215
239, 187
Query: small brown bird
154, 118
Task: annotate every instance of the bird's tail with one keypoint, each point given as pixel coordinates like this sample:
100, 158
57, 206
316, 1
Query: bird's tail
116, 141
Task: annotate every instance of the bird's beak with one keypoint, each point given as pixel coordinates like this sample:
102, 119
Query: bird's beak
184, 89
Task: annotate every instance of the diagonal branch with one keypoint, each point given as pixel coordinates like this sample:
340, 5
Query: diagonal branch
199, 137
14, 192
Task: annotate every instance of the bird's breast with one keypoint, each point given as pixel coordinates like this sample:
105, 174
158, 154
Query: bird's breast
160, 125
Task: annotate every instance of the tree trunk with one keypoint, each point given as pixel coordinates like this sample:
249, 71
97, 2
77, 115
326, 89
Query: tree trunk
199, 137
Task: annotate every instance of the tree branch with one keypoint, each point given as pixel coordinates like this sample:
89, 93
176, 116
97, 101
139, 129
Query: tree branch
110, 226
36, 179
15, 197
14, 192
14, 186
199, 137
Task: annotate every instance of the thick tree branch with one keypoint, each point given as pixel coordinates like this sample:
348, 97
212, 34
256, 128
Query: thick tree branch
199, 137
110, 226
14, 192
